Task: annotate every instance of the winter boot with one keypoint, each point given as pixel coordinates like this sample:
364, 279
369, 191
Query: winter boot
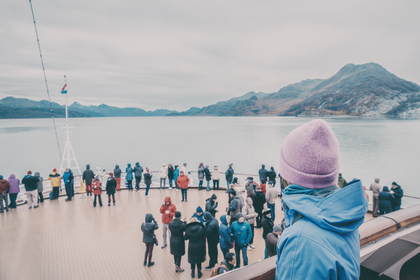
199, 274
192, 273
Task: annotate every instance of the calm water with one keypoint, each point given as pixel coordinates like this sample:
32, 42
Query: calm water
389, 149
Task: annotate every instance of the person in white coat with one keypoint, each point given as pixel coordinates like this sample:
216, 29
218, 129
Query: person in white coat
216, 177
163, 173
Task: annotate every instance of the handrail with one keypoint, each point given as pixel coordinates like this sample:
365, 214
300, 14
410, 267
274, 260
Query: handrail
369, 232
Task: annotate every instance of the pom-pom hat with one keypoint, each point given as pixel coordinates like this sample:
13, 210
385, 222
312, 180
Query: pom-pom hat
309, 157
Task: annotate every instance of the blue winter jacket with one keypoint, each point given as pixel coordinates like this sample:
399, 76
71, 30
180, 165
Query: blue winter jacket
224, 232
323, 241
129, 170
176, 173
241, 233
66, 176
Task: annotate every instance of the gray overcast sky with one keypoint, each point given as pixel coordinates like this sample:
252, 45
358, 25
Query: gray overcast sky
177, 54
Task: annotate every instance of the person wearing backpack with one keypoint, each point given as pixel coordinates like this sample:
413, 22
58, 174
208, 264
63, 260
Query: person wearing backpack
225, 266
149, 238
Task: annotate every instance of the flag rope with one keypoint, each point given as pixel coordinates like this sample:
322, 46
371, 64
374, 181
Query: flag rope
46, 83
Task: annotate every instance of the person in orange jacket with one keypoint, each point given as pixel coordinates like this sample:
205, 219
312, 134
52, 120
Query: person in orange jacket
183, 182
168, 210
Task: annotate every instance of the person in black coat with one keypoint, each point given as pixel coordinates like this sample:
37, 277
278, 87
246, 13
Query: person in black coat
398, 193
211, 205
208, 177
148, 228
386, 200
271, 174
212, 232
263, 173
111, 185
196, 234
258, 202
177, 241
267, 225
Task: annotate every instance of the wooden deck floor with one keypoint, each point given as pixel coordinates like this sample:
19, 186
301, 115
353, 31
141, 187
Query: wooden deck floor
73, 240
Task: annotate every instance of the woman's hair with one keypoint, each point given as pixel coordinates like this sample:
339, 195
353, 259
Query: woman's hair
235, 180
201, 164
170, 165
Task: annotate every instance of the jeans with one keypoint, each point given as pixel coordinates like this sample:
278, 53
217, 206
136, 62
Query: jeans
215, 182
3, 196
41, 197
176, 185
32, 197
184, 194
208, 186
238, 256
129, 184
165, 233
396, 207
147, 189
109, 198
138, 180
69, 191
55, 192
273, 210
13, 197
99, 198
228, 184
265, 251
164, 182
200, 184
252, 230
375, 206
224, 251
170, 182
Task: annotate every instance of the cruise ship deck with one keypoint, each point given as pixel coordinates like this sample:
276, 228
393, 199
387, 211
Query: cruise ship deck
74, 240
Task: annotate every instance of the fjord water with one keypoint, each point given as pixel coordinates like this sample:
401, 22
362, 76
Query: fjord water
384, 148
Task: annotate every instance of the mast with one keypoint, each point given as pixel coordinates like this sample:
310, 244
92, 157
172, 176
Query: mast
69, 159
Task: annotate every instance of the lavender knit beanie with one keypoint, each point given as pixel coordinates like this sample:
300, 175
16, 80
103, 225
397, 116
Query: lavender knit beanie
309, 157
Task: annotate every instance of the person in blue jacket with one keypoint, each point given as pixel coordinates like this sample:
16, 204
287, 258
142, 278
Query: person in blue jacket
321, 239
199, 214
224, 232
242, 234
129, 176
176, 175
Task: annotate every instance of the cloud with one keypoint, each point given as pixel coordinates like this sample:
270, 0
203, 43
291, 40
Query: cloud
178, 54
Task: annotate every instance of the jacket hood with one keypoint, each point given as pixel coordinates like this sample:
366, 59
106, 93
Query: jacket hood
223, 220
37, 174
116, 166
129, 165
208, 217
12, 176
149, 218
137, 164
199, 209
377, 180
342, 211
194, 226
385, 189
87, 166
54, 173
167, 199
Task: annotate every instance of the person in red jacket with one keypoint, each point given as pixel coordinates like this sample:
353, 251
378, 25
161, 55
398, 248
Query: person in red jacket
97, 192
4, 192
168, 211
183, 182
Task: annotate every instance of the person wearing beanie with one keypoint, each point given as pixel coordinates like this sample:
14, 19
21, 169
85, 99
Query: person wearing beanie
149, 238
376, 189
229, 176
68, 179
147, 175
242, 234
177, 240
234, 206
129, 176
97, 191
168, 210
14, 190
319, 216
212, 232
31, 187
117, 175
272, 239
199, 214
4, 190
200, 173
111, 186
55, 179
176, 175
398, 193
211, 205
271, 197
267, 225
386, 200
171, 170
196, 234
225, 237
88, 177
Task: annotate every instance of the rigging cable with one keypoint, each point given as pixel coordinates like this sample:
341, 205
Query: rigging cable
46, 83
